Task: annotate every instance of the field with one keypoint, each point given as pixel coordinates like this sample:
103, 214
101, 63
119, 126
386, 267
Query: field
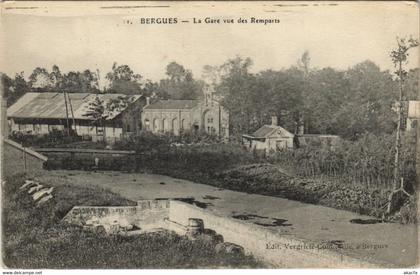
34, 237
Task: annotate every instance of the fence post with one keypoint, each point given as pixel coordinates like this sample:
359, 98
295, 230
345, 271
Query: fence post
24, 159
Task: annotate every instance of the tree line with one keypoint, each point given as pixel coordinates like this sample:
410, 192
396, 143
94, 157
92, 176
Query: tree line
179, 83
348, 102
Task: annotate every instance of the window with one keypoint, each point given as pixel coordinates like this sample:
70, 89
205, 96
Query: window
210, 120
36, 128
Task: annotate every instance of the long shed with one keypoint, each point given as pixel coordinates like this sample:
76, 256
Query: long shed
42, 113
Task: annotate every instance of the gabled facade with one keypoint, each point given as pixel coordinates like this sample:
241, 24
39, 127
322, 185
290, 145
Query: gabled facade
269, 138
175, 116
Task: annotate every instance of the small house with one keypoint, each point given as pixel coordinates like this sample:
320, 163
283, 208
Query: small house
269, 138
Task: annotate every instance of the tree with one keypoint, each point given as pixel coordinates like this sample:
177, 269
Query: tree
56, 77
304, 63
399, 58
176, 72
180, 83
236, 87
40, 80
96, 111
281, 92
79, 82
123, 80
6, 84
324, 93
411, 84
211, 75
366, 105
14, 88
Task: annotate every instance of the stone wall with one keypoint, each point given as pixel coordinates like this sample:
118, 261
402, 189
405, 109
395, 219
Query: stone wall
263, 243
148, 215
268, 246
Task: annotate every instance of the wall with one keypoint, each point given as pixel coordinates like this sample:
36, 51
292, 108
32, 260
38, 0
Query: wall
285, 142
257, 240
169, 115
147, 215
254, 239
17, 159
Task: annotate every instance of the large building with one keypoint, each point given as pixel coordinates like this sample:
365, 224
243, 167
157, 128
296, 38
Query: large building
42, 113
174, 116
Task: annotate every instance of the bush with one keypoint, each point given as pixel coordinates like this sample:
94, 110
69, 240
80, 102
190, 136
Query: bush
86, 161
368, 161
197, 158
51, 139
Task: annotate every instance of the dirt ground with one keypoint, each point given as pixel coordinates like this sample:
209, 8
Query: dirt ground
359, 236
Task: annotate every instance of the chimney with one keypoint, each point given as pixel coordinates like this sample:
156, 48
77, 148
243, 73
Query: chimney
274, 121
147, 100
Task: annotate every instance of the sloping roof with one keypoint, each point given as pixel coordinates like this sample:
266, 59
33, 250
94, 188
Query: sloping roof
414, 109
25, 149
172, 104
267, 130
52, 105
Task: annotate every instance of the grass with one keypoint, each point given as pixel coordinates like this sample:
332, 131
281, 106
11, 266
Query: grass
35, 237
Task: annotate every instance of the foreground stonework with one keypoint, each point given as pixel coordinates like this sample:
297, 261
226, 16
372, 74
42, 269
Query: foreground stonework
153, 215
146, 216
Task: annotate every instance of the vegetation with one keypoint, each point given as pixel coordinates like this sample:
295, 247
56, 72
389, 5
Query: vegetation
348, 102
52, 139
361, 104
369, 161
354, 175
34, 237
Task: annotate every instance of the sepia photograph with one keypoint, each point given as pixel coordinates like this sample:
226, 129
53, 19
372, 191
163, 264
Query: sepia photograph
209, 135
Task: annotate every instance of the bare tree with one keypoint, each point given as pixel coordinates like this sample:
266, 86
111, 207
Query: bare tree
399, 57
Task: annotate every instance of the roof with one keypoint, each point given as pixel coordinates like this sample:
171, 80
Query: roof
414, 109
52, 105
80, 150
267, 130
172, 104
25, 149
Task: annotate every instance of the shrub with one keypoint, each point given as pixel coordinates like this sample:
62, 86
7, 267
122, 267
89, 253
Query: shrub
368, 161
52, 139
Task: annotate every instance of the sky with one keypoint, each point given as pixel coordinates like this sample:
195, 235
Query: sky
94, 35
